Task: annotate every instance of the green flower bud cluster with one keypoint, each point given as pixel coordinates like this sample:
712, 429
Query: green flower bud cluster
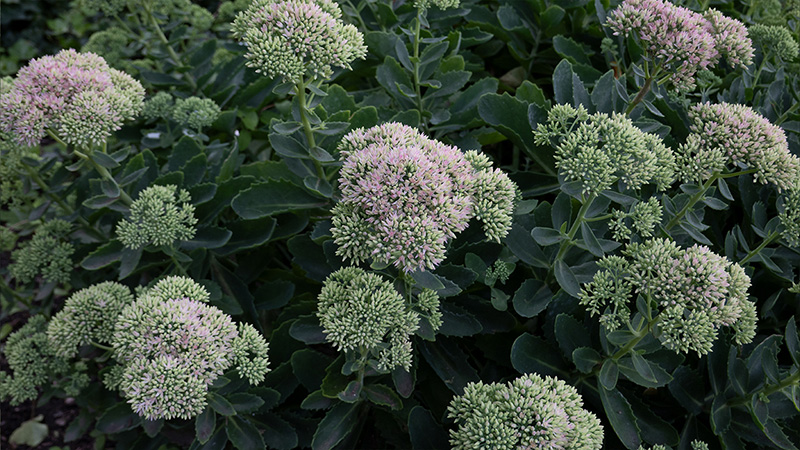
789, 217
170, 347
88, 316
528, 412
12, 189
229, 9
33, 364
294, 39
195, 113
160, 216
775, 40
693, 291
48, 254
493, 196
7, 239
642, 217
500, 271
159, 106
441, 4
696, 445
107, 7
362, 312
110, 44
597, 150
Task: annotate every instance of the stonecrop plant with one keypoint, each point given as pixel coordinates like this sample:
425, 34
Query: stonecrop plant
422, 224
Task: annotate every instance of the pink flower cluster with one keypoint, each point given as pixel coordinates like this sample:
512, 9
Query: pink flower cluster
75, 95
737, 134
403, 196
680, 40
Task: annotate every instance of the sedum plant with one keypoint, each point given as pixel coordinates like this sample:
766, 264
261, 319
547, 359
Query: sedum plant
160, 216
48, 253
528, 412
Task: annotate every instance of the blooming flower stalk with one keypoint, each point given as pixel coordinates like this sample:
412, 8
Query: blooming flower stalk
88, 316
405, 195
195, 113
160, 216
297, 39
725, 134
528, 412
171, 349
598, 150
76, 96
362, 312
49, 253
695, 292
679, 41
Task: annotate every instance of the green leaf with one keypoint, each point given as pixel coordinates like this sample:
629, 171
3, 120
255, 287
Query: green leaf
159, 79
424, 432
338, 423
383, 395
571, 50
288, 147
243, 434
568, 88
547, 236
32, 432
118, 418
520, 242
278, 433
532, 354
243, 402
532, 298
309, 367
654, 376
307, 329
351, 392
316, 401
208, 238
590, 240
586, 358
792, 341
642, 367
273, 197
105, 255
221, 404
395, 81
204, 425
570, 334
620, 415
449, 362
609, 373
566, 278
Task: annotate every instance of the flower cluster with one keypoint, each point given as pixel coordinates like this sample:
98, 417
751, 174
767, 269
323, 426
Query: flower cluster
160, 216
171, 349
74, 95
47, 254
597, 150
726, 133
528, 412
680, 40
696, 445
109, 43
789, 217
362, 311
12, 188
775, 40
441, 4
642, 217
34, 363
195, 113
405, 195
88, 316
159, 106
695, 290
297, 38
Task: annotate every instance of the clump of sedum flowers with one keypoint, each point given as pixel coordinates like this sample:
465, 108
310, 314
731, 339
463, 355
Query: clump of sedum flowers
34, 363
171, 349
775, 40
48, 254
160, 216
404, 196
195, 113
726, 134
597, 150
75, 96
363, 314
691, 293
528, 412
295, 39
679, 42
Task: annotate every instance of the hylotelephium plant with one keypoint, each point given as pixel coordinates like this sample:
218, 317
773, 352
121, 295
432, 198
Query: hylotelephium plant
404, 196
169, 344
528, 412
300, 42
678, 42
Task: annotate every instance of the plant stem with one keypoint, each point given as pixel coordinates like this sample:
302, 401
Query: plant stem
640, 96
123, 196
567, 243
417, 87
768, 390
301, 99
767, 240
635, 341
165, 41
101, 346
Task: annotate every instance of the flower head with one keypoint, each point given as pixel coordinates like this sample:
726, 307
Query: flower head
159, 106
727, 133
598, 149
296, 38
696, 292
680, 40
250, 354
789, 216
75, 95
195, 113
174, 287
361, 310
405, 195
88, 316
775, 40
528, 412
48, 253
109, 43
163, 387
160, 216
441, 4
